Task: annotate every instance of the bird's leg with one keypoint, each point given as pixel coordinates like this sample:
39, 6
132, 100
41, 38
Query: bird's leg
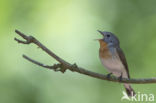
120, 77
108, 75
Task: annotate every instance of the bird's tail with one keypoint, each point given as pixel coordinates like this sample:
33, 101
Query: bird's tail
129, 90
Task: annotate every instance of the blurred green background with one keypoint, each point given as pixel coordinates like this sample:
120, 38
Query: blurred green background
68, 28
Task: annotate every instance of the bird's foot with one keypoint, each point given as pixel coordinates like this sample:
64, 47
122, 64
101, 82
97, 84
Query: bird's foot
120, 77
108, 75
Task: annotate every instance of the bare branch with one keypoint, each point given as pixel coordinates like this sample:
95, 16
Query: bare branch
64, 65
55, 67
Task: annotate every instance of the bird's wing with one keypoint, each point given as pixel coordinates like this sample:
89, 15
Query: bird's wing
123, 59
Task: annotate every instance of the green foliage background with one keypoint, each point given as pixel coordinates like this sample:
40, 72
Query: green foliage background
68, 27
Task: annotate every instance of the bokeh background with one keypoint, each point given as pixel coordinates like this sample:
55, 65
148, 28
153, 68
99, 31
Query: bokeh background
68, 28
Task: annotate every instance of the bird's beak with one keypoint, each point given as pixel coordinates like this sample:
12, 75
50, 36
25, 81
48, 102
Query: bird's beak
101, 32
97, 39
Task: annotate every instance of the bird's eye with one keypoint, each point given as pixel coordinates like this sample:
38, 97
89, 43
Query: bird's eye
108, 36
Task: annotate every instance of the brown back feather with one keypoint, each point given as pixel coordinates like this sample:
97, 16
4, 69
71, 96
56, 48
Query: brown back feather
123, 60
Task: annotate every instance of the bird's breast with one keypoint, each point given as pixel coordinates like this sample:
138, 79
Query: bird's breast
104, 50
112, 63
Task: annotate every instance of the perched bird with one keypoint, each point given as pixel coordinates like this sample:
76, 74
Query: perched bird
113, 58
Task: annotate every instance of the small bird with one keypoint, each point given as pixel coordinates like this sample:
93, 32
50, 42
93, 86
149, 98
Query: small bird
113, 58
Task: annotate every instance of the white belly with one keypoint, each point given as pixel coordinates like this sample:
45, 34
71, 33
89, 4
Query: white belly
115, 66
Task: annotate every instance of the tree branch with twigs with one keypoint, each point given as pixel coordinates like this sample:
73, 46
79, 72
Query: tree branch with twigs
63, 65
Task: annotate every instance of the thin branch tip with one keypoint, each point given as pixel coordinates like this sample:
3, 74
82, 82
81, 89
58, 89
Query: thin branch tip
16, 30
15, 39
55, 67
24, 56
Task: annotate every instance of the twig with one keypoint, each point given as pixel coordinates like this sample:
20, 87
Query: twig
55, 67
64, 65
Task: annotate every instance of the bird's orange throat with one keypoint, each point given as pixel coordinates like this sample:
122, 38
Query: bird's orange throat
104, 50
103, 44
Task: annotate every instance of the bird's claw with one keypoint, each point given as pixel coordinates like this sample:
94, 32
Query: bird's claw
108, 75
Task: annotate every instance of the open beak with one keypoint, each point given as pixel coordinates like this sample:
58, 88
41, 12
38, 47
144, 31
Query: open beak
97, 39
101, 32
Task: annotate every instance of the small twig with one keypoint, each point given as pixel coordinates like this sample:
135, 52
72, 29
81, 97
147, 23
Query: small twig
64, 65
55, 67
31, 39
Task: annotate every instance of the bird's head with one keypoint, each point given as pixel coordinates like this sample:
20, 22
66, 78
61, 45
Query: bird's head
109, 38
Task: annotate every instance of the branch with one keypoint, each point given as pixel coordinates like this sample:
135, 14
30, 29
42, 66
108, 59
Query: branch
54, 67
63, 65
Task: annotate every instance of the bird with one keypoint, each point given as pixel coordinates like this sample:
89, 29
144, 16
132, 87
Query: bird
113, 58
